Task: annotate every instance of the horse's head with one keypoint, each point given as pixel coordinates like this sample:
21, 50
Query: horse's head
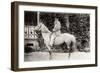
38, 27
41, 27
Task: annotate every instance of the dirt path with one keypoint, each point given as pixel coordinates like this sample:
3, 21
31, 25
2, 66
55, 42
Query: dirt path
41, 56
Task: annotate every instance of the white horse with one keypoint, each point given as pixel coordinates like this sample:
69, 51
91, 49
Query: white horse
67, 38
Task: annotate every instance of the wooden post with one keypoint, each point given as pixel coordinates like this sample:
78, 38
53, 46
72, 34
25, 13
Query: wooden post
38, 16
67, 21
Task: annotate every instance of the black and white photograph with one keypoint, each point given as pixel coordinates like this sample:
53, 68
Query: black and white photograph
54, 36
51, 36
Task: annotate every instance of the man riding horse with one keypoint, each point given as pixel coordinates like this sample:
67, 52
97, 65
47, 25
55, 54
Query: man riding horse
56, 31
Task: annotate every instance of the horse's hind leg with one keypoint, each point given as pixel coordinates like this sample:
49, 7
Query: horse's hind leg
68, 48
69, 52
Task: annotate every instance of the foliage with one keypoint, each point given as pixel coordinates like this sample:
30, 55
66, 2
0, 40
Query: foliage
80, 27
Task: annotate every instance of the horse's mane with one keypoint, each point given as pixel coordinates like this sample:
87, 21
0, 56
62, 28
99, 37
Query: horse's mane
44, 28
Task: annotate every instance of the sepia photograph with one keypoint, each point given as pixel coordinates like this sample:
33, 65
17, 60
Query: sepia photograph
54, 36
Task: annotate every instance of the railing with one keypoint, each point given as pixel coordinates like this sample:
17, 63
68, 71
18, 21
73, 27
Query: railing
29, 32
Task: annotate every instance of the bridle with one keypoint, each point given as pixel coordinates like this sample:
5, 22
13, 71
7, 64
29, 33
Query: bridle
38, 26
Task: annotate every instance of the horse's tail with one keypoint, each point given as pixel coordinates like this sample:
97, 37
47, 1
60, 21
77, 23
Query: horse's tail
74, 47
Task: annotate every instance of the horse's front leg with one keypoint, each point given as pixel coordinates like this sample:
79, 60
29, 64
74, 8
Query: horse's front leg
49, 49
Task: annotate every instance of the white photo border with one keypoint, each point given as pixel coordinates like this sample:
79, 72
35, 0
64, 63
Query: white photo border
33, 64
